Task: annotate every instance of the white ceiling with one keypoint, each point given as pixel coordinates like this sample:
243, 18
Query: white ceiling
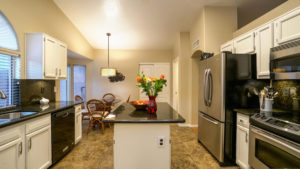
134, 24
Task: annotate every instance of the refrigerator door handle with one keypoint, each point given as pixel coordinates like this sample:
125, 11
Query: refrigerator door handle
208, 119
210, 82
205, 85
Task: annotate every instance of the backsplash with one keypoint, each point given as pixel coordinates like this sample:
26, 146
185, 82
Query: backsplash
31, 91
288, 94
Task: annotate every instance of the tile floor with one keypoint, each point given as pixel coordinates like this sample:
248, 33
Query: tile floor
95, 151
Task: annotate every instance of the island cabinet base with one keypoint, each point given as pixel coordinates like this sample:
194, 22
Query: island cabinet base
142, 146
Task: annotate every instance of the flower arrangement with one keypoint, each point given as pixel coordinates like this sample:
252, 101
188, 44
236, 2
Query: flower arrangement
151, 86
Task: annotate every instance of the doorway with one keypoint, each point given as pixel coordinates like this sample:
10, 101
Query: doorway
175, 84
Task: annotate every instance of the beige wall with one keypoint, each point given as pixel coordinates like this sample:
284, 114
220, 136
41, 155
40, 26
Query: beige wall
214, 26
182, 52
127, 62
276, 12
43, 16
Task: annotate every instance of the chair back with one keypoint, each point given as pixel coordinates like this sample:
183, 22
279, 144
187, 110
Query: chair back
80, 99
96, 106
109, 98
128, 98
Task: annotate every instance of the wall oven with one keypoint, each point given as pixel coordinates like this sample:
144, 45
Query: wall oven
285, 61
268, 150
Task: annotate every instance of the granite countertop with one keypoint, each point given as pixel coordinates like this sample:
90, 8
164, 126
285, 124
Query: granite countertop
247, 112
22, 113
126, 113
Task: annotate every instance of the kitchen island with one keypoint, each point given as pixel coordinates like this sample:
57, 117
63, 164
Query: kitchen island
143, 140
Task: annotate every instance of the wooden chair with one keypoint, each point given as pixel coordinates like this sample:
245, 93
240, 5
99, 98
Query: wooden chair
97, 112
128, 98
84, 111
109, 98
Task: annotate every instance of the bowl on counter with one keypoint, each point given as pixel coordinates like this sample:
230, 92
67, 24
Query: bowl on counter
140, 104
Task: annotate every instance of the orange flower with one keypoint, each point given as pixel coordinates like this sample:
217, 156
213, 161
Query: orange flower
162, 76
138, 79
152, 79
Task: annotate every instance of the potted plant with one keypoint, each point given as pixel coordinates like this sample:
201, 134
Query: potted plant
151, 86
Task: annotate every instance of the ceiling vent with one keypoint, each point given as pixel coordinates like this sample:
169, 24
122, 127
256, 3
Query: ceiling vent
196, 44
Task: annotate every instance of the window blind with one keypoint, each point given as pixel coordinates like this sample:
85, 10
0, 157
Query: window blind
8, 38
9, 79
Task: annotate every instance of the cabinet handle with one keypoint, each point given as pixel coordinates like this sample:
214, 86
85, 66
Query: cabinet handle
246, 138
20, 148
56, 71
29, 144
59, 72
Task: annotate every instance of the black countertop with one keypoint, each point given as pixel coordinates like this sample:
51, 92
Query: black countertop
126, 113
22, 113
247, 112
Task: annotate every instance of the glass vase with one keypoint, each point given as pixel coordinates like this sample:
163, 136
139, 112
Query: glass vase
152, 107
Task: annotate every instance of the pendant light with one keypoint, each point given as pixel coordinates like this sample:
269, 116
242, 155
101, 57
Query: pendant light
107, 71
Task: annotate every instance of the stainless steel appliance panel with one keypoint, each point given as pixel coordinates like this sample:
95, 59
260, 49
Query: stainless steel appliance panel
285, 61
211, 135
215, 88
267, 150
202, 86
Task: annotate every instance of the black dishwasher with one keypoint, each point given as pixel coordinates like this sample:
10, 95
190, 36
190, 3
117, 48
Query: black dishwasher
63, 131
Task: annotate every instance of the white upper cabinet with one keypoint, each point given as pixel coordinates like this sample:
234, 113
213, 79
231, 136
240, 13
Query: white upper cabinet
287, 27
263, 43
46, 57
244, 43
228, 46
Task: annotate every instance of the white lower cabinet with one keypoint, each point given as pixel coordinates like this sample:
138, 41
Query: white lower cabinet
12, 147
38, 154
242, 141
38, 143
78, 124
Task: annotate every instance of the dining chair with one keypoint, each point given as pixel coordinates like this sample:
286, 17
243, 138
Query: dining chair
128, 98
109, 98
84, 111
97, 112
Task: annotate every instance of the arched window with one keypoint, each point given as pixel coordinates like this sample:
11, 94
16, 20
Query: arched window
8, 38
9, 63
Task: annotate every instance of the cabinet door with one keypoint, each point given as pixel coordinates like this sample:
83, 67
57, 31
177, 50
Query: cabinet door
78, 127
244, 44
11, 155
263, 43
62, 60
228, 46
38, 145
287, 27
50, 61
242, 147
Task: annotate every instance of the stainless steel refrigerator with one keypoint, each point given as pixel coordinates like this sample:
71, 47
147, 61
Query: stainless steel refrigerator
219, 77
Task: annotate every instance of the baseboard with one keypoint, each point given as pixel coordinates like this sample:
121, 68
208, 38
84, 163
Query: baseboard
187, 125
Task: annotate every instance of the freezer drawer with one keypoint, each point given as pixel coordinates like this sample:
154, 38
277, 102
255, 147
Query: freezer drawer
211, 135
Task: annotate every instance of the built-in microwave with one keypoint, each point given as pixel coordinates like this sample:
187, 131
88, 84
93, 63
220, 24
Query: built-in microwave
285, 61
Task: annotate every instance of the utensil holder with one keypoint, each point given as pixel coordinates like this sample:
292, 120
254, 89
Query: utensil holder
268, 104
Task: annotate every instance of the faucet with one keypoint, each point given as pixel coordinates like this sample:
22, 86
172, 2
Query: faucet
3, 96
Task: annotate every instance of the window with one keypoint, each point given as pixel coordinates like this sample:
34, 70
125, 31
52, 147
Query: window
8, 38
9, 73
9, 63
65, 87
79, 81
